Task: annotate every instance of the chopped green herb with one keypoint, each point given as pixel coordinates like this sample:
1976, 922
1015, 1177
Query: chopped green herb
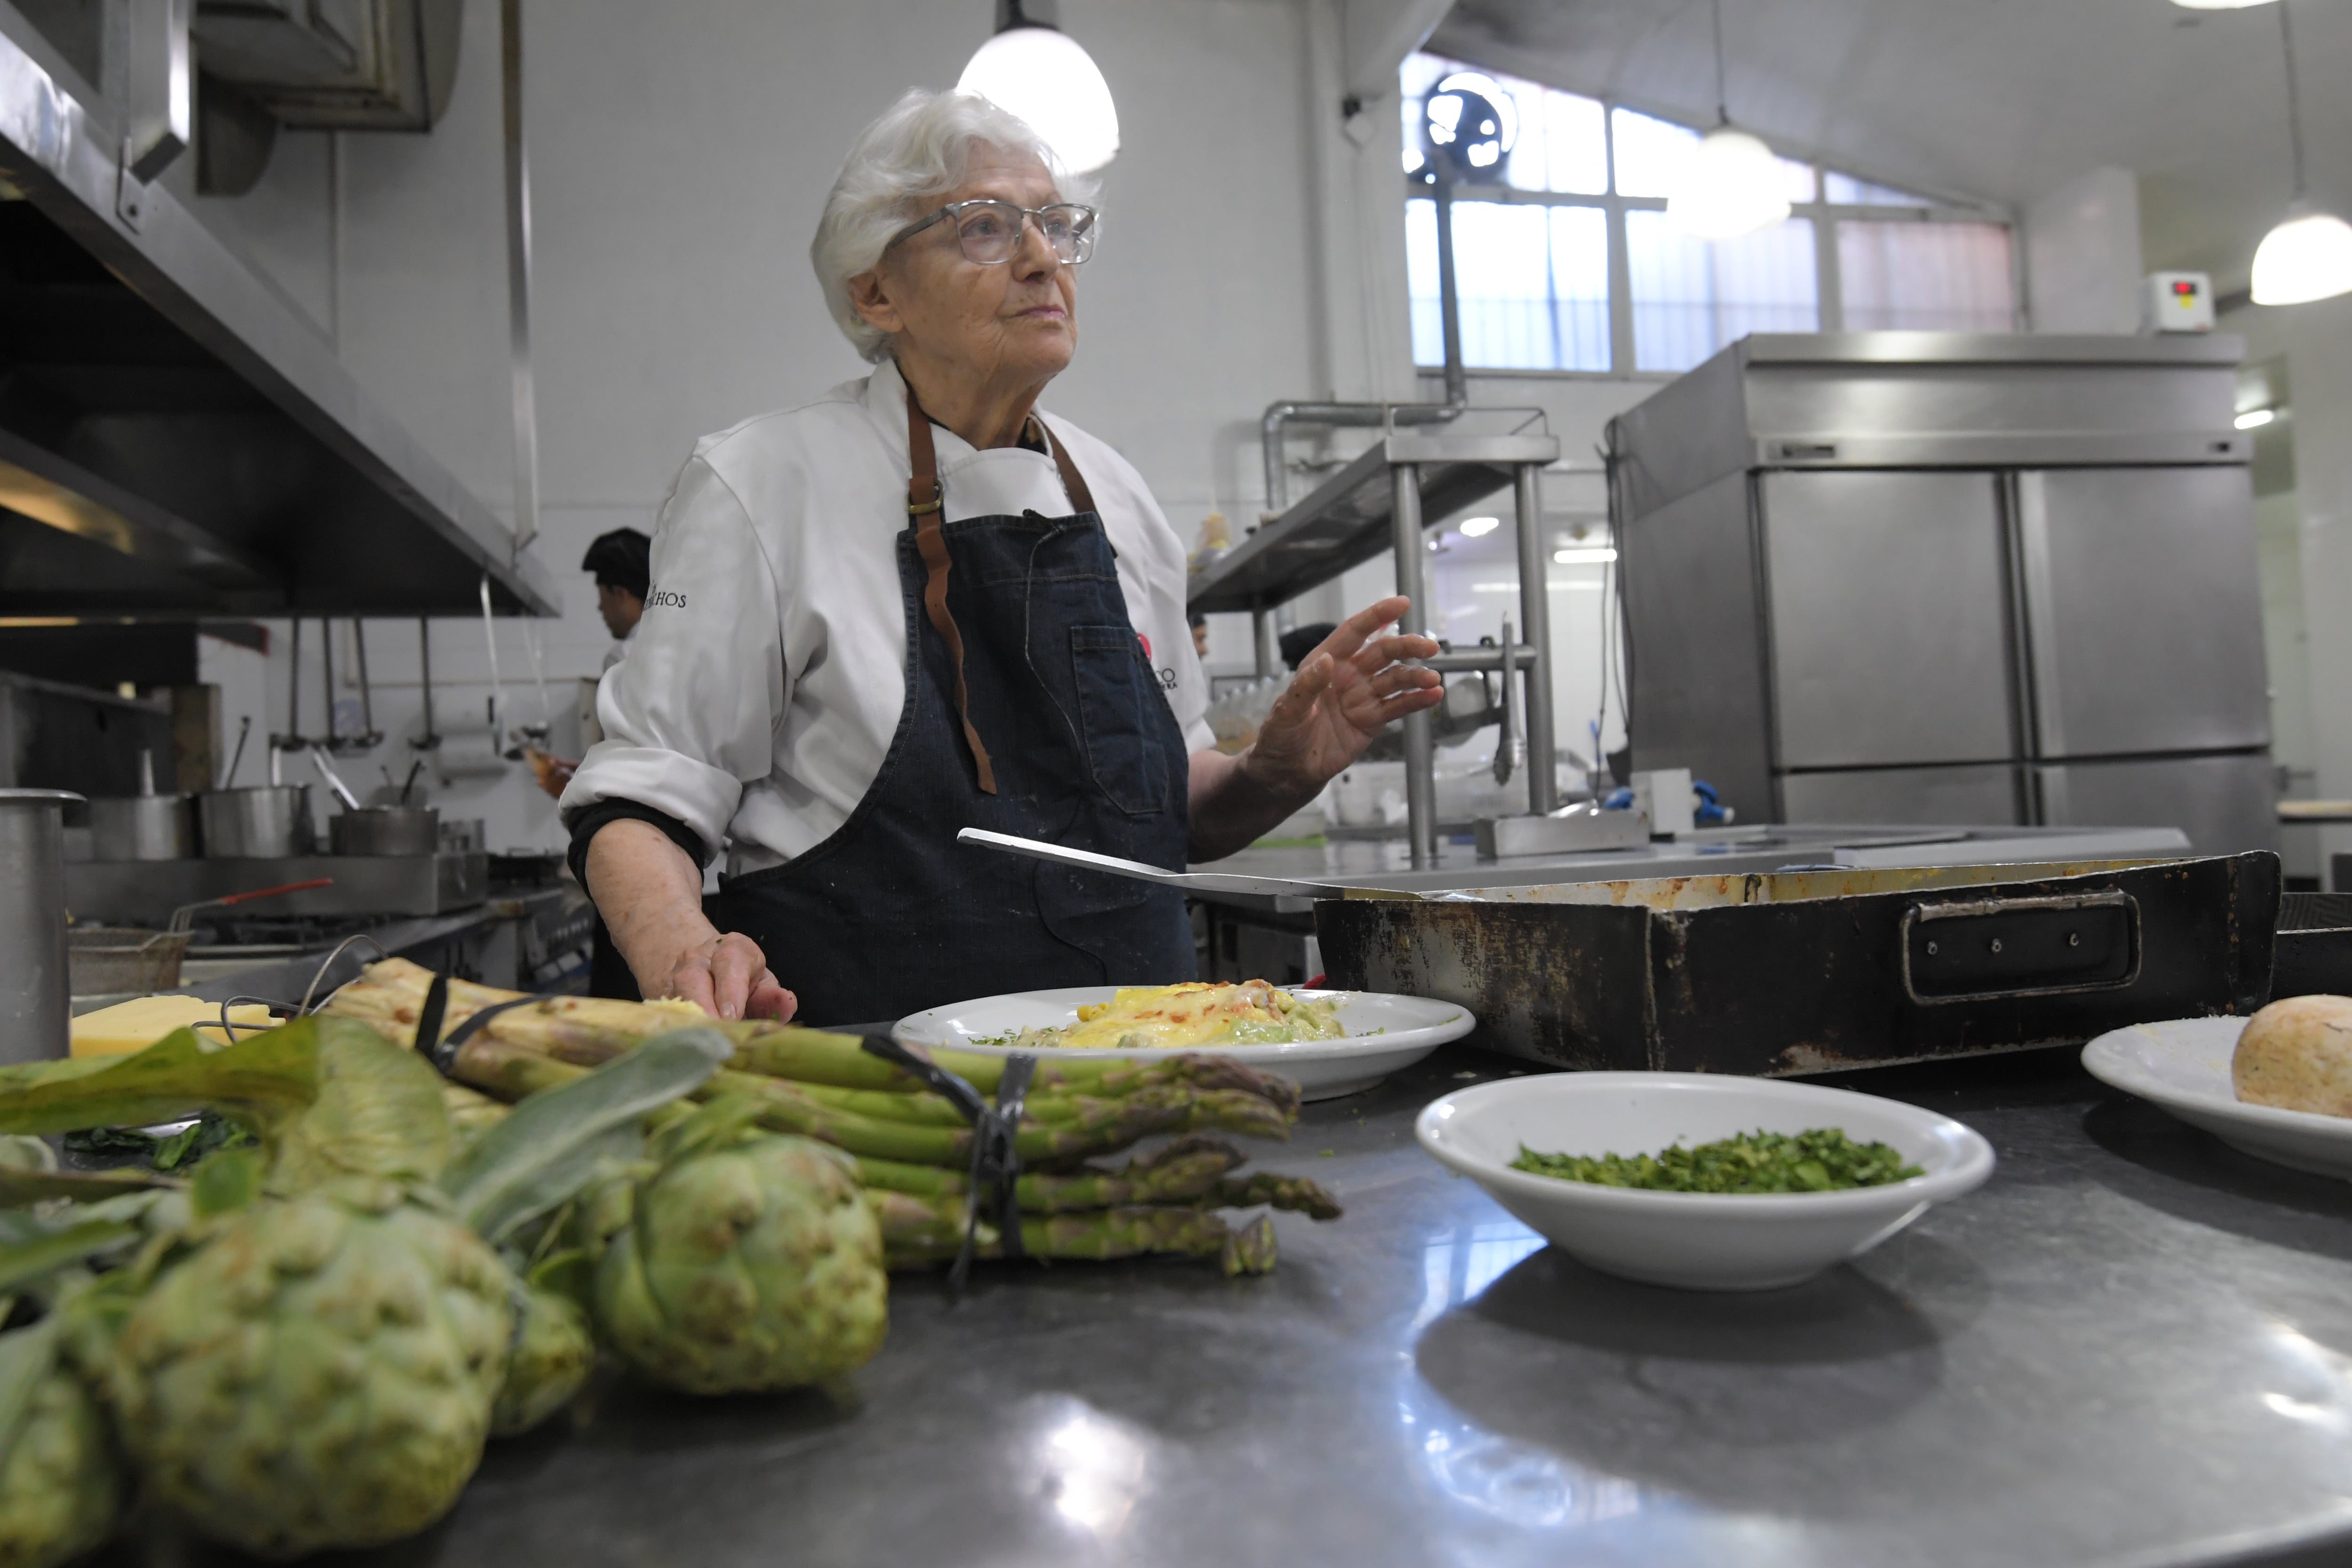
1820, 1161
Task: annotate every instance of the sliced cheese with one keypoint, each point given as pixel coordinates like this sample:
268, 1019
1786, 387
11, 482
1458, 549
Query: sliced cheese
135, 1024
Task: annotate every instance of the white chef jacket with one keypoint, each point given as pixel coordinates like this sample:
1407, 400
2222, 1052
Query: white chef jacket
764, 683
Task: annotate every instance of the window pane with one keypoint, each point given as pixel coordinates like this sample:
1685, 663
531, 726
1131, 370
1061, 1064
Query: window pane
1534, 285
1925, 276
1649, 153
1561, 144
1847, 190
1691, 296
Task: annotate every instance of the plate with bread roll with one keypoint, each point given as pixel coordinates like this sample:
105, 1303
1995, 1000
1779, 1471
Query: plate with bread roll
2277, 1086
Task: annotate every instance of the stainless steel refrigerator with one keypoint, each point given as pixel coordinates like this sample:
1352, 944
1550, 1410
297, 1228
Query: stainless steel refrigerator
1932, 578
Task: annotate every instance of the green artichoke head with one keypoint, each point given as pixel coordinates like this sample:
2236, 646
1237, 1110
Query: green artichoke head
749, 1261
553, 1354
319, 1372
59, 1485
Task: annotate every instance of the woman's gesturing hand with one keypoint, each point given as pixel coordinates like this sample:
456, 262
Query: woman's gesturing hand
1345, 691
650, 893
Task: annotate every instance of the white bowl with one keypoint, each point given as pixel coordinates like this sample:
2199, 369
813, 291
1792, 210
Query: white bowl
1385, 1033
1699, 1241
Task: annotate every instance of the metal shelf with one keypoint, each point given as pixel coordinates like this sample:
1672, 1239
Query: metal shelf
1350, 518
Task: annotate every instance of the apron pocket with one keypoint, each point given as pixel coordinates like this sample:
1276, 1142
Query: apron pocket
1114, 684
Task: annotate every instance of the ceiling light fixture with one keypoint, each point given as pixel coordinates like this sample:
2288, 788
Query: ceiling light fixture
2309, 255
1037, 71
2218, 4
1478, 527
2255, 418
1730, 185
1601, 556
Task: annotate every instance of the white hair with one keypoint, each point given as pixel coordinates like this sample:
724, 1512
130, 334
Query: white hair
896, 172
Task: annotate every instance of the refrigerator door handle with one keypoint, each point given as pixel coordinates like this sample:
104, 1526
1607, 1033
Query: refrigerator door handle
2040, 611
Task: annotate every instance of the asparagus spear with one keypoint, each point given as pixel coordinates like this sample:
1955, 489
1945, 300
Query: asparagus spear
1183, 1170
915, 1233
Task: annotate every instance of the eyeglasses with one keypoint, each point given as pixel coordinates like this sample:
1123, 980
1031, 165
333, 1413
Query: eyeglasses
990, 231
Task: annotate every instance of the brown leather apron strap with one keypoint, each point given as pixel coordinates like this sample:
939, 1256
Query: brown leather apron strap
924, 506
1081, 498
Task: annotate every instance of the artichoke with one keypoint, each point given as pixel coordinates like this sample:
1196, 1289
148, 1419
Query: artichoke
59, 1485
319, 1372
554, 1355
749, 1261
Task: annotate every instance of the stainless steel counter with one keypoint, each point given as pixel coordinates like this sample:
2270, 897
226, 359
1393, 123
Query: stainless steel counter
1375, 863
2133, 1347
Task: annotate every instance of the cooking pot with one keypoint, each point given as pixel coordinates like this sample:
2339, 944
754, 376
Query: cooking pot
265, 822
385, 830
142, 828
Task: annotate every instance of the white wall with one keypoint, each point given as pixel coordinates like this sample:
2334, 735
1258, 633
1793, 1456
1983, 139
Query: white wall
679, 155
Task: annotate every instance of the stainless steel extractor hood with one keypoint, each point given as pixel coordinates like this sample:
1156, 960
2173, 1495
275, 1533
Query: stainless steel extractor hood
174, 438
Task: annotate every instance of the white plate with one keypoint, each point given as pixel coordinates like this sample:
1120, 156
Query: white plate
1385, 1033
1699, 1241
2184, 1066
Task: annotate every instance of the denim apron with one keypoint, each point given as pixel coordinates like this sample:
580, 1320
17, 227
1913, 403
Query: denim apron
1031, 709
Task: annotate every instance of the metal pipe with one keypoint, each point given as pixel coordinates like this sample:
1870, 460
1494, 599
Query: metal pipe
327, 677
1262, 642
1534, 621
1278, 416
1449, 308
431, 739
1420, 746
1509, 749
1479, 660
369, 736
518, 203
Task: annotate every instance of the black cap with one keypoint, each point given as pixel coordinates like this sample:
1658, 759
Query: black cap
621, 558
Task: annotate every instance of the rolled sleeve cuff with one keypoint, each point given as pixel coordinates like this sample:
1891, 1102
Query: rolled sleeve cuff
694, 793
587, 822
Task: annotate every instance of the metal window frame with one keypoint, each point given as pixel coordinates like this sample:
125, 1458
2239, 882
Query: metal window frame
1829, 280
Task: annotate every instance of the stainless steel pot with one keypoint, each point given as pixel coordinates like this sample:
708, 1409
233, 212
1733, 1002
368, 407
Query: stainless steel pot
35, 998
142, 828
386, 831
266, 822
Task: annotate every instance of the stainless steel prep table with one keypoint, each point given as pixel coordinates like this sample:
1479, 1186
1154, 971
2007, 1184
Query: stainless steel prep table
2134, 1346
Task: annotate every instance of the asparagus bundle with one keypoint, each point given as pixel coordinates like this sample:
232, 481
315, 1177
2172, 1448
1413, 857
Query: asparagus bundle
911, 1146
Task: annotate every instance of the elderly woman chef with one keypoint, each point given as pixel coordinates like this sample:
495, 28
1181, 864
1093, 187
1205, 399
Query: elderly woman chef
919, 604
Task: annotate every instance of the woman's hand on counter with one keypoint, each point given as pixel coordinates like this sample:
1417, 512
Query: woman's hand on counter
650, 893
1353, 684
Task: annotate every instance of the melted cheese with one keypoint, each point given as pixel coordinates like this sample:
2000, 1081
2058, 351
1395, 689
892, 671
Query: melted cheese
1174, 1018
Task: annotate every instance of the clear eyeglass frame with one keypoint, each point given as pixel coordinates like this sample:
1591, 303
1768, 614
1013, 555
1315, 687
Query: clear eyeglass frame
989, 232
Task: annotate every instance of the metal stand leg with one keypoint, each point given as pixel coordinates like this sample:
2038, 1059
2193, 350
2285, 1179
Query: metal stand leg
1534, 618
1420, 746
1262, 638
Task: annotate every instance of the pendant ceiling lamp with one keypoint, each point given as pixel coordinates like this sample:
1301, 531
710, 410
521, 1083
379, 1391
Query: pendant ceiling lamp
2309, 255
1042, 74
1731, 184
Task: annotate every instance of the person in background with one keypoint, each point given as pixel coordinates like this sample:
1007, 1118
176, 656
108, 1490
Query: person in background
1200, 634
622, 563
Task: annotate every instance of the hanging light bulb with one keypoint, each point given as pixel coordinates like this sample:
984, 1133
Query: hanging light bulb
1035, 70
1730, 185
2309, 255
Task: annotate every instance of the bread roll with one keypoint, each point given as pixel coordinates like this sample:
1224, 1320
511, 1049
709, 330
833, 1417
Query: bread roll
2298, 1055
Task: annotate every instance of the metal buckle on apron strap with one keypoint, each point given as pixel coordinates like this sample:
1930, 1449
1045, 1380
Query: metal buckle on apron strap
995, 1155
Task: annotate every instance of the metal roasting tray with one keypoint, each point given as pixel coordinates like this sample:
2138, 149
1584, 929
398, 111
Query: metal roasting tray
1772, 974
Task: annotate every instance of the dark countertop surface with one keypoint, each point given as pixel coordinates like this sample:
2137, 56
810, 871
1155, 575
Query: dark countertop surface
2134, 1346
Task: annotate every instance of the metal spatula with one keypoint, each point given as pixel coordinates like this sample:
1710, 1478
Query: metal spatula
1189, 881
